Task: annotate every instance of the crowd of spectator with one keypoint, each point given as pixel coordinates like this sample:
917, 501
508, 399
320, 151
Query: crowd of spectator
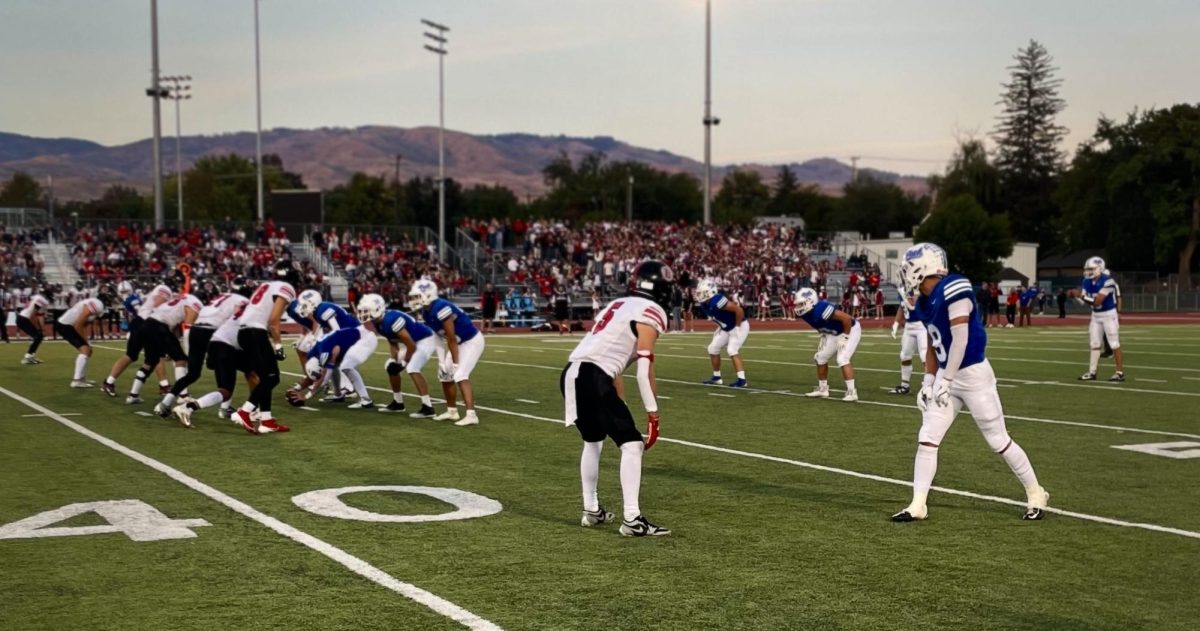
20, 261
382, 263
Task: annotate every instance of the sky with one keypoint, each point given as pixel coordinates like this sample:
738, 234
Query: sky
895, 81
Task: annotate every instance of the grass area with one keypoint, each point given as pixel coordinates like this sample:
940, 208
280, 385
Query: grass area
763, 540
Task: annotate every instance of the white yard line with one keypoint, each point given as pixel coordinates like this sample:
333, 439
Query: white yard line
40, 414
527, 401
856, 474
718, 394
439, 605
1151, 380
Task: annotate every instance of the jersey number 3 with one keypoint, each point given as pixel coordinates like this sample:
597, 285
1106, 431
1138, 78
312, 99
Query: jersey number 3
608, 316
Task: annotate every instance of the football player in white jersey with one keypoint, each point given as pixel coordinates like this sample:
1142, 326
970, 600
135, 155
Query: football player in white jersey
31, 320
260, 338
135, 343
594, 393
73, 325
161, 333
222, 307
914, 341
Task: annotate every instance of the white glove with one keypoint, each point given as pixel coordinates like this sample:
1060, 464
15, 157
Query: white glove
925, 396
941, 392
895, 328
446, 372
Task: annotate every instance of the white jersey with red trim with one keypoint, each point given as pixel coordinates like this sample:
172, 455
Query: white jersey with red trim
227, 333
37, 304
154, 299
220, 309
257, 314
173, 312
612, 342
92, 306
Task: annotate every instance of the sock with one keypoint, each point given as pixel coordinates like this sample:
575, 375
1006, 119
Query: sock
426, 401
717, 374
81, 362
924, 466
850, 385
822, 384
589, 473
906, 374
247, 407
631, 477
1020, 465
211, 399
741, 374
139, 380
397, 397
1094, 360
357, 382
162, 383
110, 380
169, 401
180, 371
265, 416
337, 382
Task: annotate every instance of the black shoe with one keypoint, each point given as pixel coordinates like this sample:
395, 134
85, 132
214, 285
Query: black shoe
425, 412
394, 406
108, 388
641, 527
595, 517
905, 516
1106, 354
1087, 376
1118, 377
1033, 514
901, 389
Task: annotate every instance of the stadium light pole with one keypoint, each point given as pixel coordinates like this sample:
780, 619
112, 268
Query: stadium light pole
709, 120
629, 200
155, 93
258, 170
180, 90
439, 48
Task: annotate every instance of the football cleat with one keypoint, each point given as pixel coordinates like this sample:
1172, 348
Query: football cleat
109, 389
912, 513
1087, 376
183, 414
82, 383
133, 399
1117, 377
334, 398
162, 410
1036, 508
641, 527
271, 425
900, 389
226, 414
394, 406
470, 418
819, 393
595, 517
851, 396
713, 381
30, 360
740, 383
450, 414
244, 419
365, 404
425, 412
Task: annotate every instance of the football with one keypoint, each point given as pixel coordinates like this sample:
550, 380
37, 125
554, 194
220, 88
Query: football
295, 398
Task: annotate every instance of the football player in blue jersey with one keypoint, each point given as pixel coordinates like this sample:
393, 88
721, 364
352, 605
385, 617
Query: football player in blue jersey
957, 374
333, 353
732, 330
912, 343
839, 338
460, 348
308, 338
419, 342
331, 318
1100, 293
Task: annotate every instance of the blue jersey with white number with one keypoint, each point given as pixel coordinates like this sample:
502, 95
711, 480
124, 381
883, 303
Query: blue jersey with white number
393, 322
342, 339
1103, 282
934, 312
821, 319
307, 323
714, 308
132, 303
332, 317
442, 310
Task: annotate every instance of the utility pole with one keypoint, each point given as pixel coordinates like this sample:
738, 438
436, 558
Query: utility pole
258, 167
709, 120
439, 48
854, 168
156, 95
629, 200
397, 198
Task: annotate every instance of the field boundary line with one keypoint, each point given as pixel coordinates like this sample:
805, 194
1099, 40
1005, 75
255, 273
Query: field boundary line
435, 603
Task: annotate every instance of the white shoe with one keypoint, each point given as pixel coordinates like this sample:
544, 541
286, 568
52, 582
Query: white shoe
183, 414
129, 400
851, 396
226, 414
912, 513
449, 415
1008, 326
470, 418
819, 393
365, 404
81, 383
1038, 499
30, 360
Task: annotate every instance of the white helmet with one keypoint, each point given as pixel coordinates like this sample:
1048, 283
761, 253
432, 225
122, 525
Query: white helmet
422, 294
371, 307
312, 368
1094, 267
706, 289
920, 262
806, 299
307, 301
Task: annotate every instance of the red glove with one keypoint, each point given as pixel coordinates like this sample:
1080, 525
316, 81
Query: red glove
651, 429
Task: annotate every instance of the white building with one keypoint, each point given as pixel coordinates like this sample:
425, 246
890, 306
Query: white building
889, 252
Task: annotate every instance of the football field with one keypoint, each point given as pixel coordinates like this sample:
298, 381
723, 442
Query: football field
111, 518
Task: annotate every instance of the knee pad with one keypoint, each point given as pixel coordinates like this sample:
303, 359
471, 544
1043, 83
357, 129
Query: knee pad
995, 434
934, 425
394, 369
142, 374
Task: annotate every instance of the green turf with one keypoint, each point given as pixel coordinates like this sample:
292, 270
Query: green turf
758, 544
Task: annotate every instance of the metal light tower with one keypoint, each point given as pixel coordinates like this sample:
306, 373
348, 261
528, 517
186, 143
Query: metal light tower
258, 170
629, 200
179, 90
155, 93
439, 48
709, 120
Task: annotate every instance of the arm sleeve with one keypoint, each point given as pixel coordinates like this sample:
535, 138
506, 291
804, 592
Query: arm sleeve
958, 338
644, 361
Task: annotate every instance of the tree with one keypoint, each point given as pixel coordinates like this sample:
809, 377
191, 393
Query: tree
120, 202
974, 240
596, 189
743, 196
485, 202
421, 195
874, 207
1027, 143
363, 199
22, 191
970, 173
